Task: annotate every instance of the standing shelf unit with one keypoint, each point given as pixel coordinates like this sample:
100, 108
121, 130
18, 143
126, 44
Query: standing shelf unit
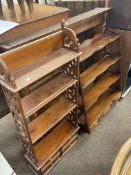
46, 116
100, 79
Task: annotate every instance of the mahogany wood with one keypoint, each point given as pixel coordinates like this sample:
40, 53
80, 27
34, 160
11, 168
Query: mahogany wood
99, 88
54, 141
25, 71
101, 108
98, 42
104, 47
47, 120
47, 116
46, 93
96, 69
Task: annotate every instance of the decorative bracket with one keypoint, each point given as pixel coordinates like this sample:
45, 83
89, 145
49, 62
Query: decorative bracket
69, 37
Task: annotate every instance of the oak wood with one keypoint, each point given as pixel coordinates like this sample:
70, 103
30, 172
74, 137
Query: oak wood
41, 96
98, 42
54, 141
50, 118
91, 96
96, 69
101, 108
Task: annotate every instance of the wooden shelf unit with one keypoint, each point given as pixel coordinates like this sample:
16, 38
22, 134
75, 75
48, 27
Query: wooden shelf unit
46, 117
101, 57
37, 29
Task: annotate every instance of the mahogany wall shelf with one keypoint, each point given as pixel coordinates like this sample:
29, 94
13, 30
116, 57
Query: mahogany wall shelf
100, 78
46, 117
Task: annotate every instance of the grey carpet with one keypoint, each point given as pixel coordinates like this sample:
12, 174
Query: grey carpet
92, 155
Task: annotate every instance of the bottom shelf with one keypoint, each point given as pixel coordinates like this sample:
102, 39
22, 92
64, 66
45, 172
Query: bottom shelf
101, 108
54, 145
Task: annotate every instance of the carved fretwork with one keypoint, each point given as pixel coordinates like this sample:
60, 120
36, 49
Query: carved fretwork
71, 93
19, 122
72, 116
71, 68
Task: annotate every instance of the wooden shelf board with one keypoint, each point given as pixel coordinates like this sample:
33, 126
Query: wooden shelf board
43, 123
96, 69
35, 71
54, 141
101, 108
91, 96
43, 95
90, 46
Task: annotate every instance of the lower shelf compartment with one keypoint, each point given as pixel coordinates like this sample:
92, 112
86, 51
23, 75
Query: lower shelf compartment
54, 146
59, 155
54, 141
101, 107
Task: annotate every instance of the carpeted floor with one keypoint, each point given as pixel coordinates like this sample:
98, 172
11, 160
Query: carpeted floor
92, 155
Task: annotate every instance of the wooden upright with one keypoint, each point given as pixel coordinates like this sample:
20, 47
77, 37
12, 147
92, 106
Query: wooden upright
46, 117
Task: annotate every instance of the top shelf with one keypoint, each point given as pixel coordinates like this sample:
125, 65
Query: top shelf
90, 46
33, 72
